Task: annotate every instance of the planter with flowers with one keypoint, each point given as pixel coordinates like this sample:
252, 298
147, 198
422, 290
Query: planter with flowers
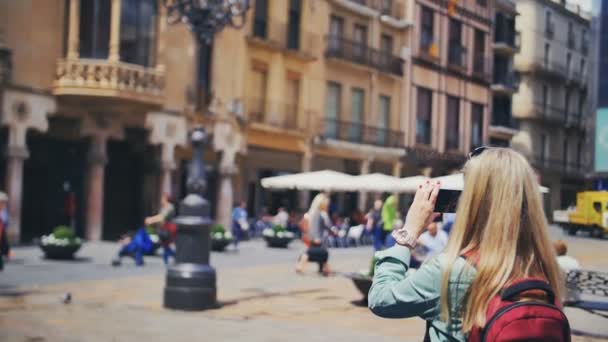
62, 243
220, 238
277, 236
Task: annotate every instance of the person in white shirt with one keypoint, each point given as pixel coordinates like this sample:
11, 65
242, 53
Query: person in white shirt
433, 240
566, 264
281, 218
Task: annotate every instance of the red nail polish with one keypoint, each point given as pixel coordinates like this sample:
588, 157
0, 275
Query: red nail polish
420, 186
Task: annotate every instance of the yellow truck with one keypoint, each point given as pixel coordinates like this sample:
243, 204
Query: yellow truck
590, 214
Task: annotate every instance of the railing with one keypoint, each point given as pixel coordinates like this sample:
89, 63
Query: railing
575, 120
279, 115
506, 78
284, 36
552, 68
557, 165
574, 75
508, 37
357, 132
551, 113
96, 77
571, 40
457, 55
339, 47
481, 68
550, 30
385, 7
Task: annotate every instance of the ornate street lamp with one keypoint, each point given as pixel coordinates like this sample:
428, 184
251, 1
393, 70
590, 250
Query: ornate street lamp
207, 17
190, 283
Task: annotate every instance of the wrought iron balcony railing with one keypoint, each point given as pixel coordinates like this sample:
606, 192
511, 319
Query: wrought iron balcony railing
557, 165
274, 114
507, 37
551, 113
357, 132
507, 79
284, 36
457, 56
481, 68
100, 77
339, 47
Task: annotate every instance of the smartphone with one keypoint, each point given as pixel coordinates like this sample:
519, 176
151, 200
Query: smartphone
447, 200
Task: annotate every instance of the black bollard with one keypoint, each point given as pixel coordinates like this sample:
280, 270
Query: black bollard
190, 283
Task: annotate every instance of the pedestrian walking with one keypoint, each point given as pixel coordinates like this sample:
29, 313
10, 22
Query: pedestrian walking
166, 229
4, 246
567, 264
374, 225
498, 245
389, 216
317, 224
239, 222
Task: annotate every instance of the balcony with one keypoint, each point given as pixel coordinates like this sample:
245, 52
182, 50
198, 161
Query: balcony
102, 78
505, 82
550, 30
344, 49
571, 40
506, 41
481, 69
275, 115
575, 121
385, 7
501, 117
429, 50
547, 69
557, 166
457, 57
359, 133
551, 113
283, 37
575, 77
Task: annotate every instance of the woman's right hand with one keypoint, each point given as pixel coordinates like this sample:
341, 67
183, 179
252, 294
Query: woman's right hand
421, 213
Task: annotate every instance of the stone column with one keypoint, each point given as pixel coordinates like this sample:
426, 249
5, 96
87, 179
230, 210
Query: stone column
304, 199
225, 199
95, 179
14, 186
114, 55
166, 184
74, 30
365, 166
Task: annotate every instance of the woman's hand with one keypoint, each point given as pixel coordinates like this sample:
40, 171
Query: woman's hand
421, 213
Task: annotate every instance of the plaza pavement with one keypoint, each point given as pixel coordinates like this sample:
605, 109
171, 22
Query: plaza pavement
263, 299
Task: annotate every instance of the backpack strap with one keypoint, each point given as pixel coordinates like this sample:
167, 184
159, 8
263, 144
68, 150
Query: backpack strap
531, 284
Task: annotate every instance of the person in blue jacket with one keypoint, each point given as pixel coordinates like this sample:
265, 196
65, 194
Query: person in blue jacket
135, 247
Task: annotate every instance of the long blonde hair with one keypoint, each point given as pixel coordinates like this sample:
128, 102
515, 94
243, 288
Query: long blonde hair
501, 219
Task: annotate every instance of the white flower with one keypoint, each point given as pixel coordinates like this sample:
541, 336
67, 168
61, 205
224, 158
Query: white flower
280, 234
154, 238
227, 235
217, 236
289, 235
268, 232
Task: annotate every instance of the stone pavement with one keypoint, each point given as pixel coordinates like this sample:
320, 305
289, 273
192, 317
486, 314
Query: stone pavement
263, 300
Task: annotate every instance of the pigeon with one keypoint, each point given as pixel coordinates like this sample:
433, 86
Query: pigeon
67, 298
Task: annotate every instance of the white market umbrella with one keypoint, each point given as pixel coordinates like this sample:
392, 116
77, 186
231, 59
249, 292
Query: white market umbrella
410, 184
456, 182
375, 182
326, 180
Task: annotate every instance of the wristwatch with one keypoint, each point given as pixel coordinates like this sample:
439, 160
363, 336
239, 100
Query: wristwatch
404, 237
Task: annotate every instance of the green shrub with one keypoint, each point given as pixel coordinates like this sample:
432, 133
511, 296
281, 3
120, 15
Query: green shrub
278, 228
64, 232
217, 228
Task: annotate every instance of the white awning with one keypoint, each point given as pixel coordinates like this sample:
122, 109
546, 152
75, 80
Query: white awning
456, 182
326, 180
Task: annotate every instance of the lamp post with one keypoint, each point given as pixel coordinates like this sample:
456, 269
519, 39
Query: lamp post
191, 282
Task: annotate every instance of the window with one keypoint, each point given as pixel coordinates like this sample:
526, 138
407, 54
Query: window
357, 105
384, 111
386, 46
332, 109
480, 48
138, 31
360, 40
565, 152
257, 106
567, 103
579, 153
548, 23
426, 29
568, 62
547, 52
386, 6
544, 143
476, 125
452, 127
581, 103
292, 102
545, 96
455, 49
597, 206
424, 116
293, 29
94, 28
582, 68
482, 3
260, 19
336, 32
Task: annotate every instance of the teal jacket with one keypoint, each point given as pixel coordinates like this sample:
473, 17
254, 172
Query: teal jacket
399, 293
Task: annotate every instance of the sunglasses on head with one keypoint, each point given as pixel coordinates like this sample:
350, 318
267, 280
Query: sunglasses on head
478, 150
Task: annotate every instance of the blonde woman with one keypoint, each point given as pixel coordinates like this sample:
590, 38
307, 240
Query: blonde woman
500, 226
318, 222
